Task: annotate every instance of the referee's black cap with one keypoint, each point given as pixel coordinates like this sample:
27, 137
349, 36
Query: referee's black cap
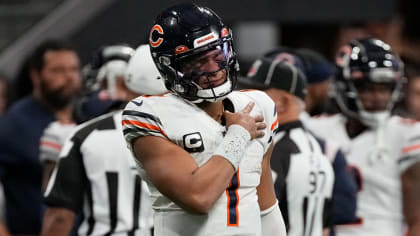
284, 72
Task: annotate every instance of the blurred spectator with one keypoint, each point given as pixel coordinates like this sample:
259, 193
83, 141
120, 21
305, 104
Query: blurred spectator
4, 94
319, 72
54, 72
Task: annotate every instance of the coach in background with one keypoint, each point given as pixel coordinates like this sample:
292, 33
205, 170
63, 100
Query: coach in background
96, 174
55, 74
304, 176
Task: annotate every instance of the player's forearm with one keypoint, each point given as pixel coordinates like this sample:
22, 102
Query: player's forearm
212, 179
57, 222
208, 182
265, 190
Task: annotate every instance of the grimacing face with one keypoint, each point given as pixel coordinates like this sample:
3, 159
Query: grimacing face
207, 70
60, 79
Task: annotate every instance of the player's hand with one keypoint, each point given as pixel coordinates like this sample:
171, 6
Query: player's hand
254, 125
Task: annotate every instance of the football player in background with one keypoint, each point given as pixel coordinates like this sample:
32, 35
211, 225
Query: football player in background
384, 149
96, 174
204, 149
304, 175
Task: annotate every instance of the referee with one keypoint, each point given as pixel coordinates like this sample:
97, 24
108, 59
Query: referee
304, 175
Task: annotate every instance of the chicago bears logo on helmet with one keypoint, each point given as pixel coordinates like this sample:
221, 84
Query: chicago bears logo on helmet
181, 49
159, 40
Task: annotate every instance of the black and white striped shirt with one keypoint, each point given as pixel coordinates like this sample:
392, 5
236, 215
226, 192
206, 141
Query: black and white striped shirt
304, 180
97, 176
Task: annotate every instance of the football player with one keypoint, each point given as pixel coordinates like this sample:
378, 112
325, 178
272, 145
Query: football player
96, 174
203, 148
304, 175
384, 149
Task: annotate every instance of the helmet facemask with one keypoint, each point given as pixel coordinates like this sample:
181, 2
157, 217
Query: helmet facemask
194, 84
365, 66
349, 92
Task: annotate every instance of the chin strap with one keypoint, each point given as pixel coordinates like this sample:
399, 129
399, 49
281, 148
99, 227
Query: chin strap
214, 94
377, 122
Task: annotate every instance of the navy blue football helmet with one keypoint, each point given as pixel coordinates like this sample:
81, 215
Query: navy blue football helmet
359, 63
184, 32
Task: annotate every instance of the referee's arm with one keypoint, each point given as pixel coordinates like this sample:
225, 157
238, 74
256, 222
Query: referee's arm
65, 191
58, 221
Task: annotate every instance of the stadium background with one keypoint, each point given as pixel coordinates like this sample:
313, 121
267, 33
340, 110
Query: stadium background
257, 25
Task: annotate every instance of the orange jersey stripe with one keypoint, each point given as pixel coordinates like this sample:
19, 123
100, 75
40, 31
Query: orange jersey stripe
144, 125
51, 145
237, 197
237, 202
274, 124
248, 90
411, 148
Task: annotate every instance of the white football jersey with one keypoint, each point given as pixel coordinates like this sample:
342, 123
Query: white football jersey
380, 163
183, 123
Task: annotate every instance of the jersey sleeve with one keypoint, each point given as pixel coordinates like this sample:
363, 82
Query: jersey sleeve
68, 183
139, 119
269, 112
53, 139
410, 151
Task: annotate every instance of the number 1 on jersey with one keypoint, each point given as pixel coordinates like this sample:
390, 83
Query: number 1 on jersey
233, 201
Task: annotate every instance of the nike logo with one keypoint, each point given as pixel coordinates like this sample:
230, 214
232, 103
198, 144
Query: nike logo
138, 103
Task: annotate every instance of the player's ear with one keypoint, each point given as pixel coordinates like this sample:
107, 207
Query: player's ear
281, 104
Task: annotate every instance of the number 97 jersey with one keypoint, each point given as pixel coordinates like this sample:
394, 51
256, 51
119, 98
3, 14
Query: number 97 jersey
304, 182
192, 129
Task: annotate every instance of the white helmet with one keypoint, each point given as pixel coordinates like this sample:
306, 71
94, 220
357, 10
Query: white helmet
142, 75
109, 64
